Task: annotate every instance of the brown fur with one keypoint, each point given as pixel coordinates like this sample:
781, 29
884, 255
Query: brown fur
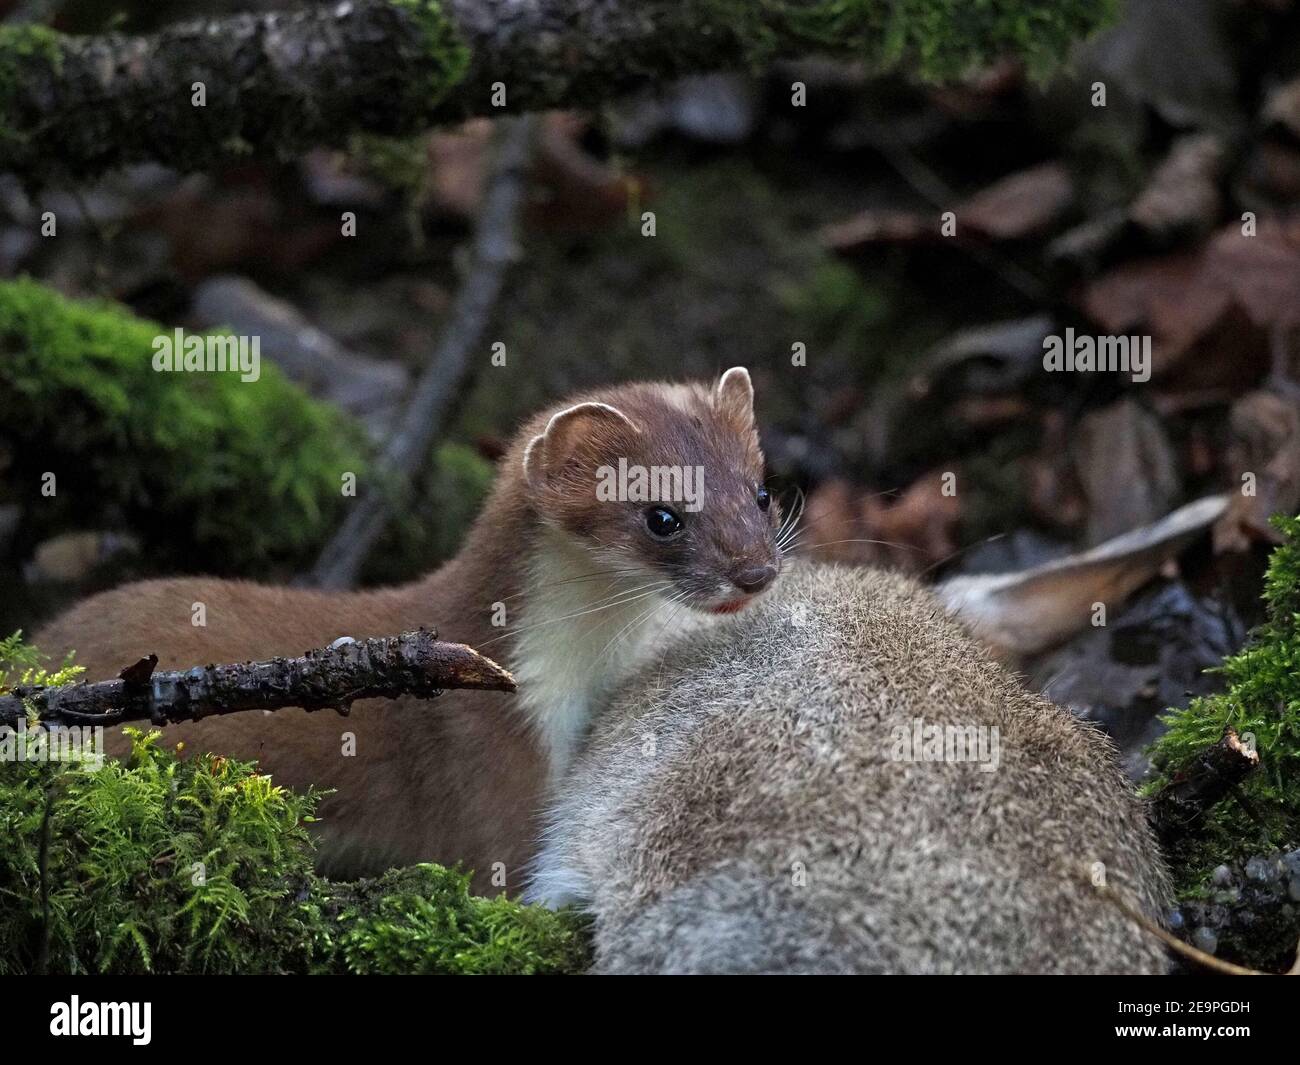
459, 779
454, 779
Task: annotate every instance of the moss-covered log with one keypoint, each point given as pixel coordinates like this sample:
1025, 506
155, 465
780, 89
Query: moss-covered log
212, 89
280, 83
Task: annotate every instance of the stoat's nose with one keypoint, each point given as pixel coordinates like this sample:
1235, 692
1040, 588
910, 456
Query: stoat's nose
753, 579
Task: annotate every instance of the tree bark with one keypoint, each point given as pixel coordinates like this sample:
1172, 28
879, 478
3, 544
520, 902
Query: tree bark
415, 663
278, 83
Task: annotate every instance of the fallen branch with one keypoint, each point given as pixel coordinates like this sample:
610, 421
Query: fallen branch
277, 83
415, 663
1211, 775
446, 374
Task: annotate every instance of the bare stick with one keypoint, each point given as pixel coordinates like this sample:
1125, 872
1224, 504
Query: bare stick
415, 663
445, 375
1198, 787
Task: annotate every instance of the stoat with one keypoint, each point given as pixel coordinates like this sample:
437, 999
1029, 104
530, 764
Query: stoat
616, 517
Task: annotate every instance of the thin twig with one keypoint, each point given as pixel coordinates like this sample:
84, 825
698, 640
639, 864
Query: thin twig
1191, 953
445, 376
415, 663
1210, 776
932, 188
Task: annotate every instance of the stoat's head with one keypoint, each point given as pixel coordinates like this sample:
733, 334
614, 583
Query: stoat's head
662, 484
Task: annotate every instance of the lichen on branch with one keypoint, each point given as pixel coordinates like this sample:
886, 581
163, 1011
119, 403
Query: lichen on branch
282, 82
204, 91
415, 663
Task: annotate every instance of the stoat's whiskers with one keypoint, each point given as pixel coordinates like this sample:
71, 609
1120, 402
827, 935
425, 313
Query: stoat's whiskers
790, 535
615, 574
643, 618
786, 532
883, 543
615, 599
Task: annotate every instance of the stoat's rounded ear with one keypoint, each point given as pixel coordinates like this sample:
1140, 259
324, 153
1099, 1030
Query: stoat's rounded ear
734, 395
589, 424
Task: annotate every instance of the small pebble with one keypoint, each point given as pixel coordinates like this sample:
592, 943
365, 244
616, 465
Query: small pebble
1263, 870
1176, 921
1205, 939
1292, 862
342, 641
1222, 876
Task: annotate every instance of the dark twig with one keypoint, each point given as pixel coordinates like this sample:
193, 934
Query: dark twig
446, 374
1215, 772
415, 663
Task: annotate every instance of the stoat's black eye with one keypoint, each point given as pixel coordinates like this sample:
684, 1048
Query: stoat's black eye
662, 522
763, 498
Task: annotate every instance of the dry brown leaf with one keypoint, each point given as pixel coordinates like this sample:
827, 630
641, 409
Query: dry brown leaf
1027, 612
1283, 106
1016, 206
873, 227
458, 161
575, 189
1210, 313
1262, 271
1265, 445
1183, 193
913, 532
1126, 466
1019, 205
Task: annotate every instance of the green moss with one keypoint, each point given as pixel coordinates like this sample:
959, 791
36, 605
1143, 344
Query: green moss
834, 306
156, 866
443, 44
939, 38
424, 920
400, 162
206, 469
203, 865
1262, 700
21, 664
